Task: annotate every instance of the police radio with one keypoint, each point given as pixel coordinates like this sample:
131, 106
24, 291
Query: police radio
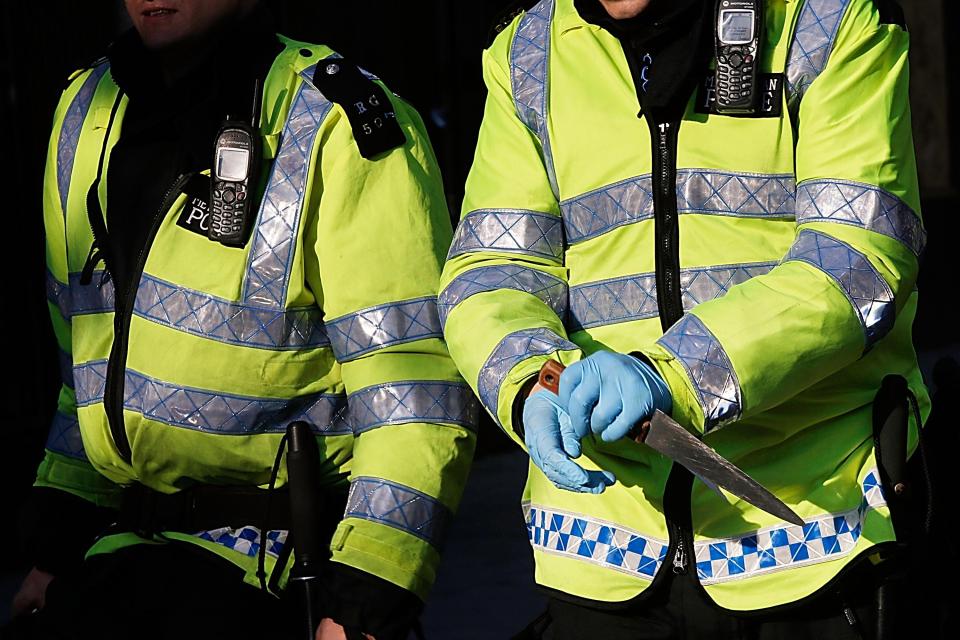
236, 161
739, 26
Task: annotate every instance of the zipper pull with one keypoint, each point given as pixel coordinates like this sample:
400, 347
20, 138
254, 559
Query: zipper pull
93, 258
680, 558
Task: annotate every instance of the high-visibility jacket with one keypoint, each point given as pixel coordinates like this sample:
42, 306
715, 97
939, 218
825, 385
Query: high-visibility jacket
328, 315
794, 261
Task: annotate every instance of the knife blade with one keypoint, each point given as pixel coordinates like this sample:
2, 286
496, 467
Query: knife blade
664, 435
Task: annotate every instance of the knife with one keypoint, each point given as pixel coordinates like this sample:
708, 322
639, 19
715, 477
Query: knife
663, 434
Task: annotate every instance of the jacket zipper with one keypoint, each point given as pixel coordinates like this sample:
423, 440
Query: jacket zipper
117, 364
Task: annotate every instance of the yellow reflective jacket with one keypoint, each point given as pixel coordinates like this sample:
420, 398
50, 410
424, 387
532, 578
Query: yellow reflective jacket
793, 267
328, 314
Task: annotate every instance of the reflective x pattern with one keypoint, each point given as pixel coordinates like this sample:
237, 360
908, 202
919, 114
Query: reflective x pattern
268, 272
221, 320
530, 233
708, 368
863, 206
71, 128
75, 299
812, 43
868, 292
511, 351
357, 334
550, 289
64, 437
90, 380
821, 539
597, 212
635, 297
406, 402
398, 506
246, 540
584, 538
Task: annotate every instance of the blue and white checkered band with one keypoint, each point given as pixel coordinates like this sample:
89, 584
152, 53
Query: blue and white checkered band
820, 539
708, 368
71, 128
398, 506
812, 44
529, 76
387, 325
861, 205
275, 235
699, 191
632, 298
550, 289
89, 380
511, 351
868, 293
528, 233
582, 537
222, 320
407, 402
246, 540
64, 437
75, 299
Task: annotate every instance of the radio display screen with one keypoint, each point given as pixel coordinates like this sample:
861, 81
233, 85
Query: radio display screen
736, 26
232, 164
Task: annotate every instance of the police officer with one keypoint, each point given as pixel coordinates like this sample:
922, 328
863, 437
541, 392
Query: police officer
185, 354
750, 273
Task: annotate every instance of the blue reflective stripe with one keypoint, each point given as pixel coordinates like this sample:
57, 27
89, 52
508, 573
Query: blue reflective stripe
90, 380
274, 239
708, 367
246, 540
529, 76
357, 334
222, 320
550, 289
582, 537
601, 210
64, 437
868, 293
820, 539
398, 506
414, 401
632, 298
511, 351
510, 231
71, 128
861, 205
74, 299
812, 44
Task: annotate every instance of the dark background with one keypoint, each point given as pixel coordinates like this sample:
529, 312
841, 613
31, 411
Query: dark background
428, 51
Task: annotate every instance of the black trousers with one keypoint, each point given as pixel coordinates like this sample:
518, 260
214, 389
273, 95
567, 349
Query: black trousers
158, 592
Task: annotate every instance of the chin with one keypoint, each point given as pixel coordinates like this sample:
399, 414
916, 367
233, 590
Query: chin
160, 38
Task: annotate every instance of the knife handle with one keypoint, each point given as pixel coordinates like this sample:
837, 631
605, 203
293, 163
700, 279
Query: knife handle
549, 379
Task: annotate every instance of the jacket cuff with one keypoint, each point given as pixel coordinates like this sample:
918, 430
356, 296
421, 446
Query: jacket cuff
364, 603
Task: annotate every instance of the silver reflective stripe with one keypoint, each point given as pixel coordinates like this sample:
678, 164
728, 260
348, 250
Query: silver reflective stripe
865, 288
64, 437
356, 334
551, 290
274, 239
588, 539
213, 412
75, 299
699, 191
70, 131
246, 540
635, 297
812, 43
66, 367
708, 368
529, 75
861, 205
397, 506
415, 401
821, 539
511, 351
510, 231
222, 320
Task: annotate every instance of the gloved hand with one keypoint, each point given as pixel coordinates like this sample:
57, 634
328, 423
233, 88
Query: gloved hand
608, 393
552, 443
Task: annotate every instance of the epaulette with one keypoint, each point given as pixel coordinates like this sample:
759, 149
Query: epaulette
505, 17
369, 110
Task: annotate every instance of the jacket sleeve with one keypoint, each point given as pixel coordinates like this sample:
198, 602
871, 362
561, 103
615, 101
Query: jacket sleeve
377, 250
504, 287
854, 260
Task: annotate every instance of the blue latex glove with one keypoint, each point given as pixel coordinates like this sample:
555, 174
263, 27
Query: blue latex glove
551, 443
608, 393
